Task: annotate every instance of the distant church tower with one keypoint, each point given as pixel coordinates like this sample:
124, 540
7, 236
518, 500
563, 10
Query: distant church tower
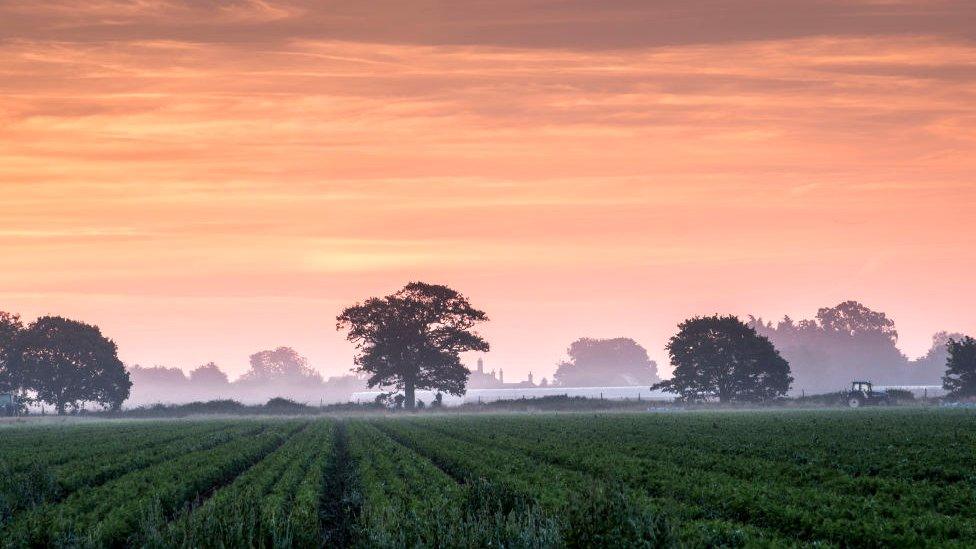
501, 375
481, 365
530, 379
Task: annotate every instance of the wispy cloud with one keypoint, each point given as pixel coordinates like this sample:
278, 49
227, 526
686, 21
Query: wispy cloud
527, 151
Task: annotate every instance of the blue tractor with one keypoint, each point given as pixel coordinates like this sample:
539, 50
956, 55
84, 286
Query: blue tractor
862, 393
8, 404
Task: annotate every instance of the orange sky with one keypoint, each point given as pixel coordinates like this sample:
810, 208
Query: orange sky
204, 180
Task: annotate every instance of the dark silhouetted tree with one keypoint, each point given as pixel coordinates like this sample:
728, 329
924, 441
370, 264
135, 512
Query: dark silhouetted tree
721, 357
842, 343
283, 364
67, 362
960, 376
208, 375
412, 339
606, 362
10, 373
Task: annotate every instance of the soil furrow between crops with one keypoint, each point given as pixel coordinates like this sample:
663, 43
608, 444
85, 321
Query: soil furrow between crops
341, 499
202, 498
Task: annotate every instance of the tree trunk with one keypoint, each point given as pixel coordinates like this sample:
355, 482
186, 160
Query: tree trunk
408, 393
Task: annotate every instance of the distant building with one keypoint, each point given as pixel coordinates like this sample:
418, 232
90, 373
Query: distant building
636, 393
479, 379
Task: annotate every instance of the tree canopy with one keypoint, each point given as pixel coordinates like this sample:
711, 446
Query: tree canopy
932, 365
156, 375
960, 376
209, 375
606, 362
721, 357
283, 364
853, 319
412, 339
65, 362
10, 372
842, 342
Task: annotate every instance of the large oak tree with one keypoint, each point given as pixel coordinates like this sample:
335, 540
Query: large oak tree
65, 362
413, 338
720, 357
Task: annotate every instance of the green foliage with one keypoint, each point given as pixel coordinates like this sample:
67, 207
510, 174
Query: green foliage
900, 396
960, 377
721, 357
65, 362
604, 516
413, 338
11, 329
268, 505
25, 488
406, 501
282, 405
874, 478
109, 509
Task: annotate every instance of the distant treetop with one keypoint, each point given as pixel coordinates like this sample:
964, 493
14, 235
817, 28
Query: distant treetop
606, 362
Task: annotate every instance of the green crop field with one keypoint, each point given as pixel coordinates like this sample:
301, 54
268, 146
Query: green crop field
881, 478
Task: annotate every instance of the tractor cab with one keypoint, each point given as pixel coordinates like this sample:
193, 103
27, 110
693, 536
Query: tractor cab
862, 393
8, 404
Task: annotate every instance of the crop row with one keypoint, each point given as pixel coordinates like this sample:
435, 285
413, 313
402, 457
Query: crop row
709, 482
906, 460
107, 515
587, 507
275, 503
67, 446
27, 485
406, 501
877, 478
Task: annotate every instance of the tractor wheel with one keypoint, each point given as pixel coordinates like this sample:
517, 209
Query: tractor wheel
854, 402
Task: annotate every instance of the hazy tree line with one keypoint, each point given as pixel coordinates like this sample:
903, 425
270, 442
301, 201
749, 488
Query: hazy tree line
850, 341
413, 339
824, 354
280, 372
